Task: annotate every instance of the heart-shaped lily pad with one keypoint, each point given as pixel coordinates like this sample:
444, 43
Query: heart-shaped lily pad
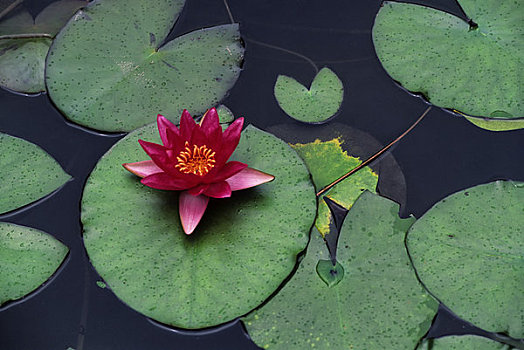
27, 173
469, 252
465, 342
329, 273
24, 43
240, 253
327, 161
108, 69
315, 105
379, 303
29, 258
476, 69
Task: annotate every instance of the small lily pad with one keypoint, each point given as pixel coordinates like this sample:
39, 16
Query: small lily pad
327, 161
108, 69
225, 116
329, 273
314, 105
464, 342
29, 258
24, 43
27, 173
240, 253
468, 250
474, 68
379, 304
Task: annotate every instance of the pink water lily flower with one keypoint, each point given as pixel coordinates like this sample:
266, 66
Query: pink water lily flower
194, 160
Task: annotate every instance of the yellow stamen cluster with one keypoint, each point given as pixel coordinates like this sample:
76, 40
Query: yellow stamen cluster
198, 161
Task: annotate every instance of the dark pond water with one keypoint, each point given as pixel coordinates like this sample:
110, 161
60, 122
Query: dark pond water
442, 155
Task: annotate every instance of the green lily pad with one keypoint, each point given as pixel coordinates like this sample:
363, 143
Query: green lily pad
225, 116
108, 69
327, 161
474, 70
24, 43
468, 250
465, 342
27, 173
379, 303
240, 253
29, 258
315, 105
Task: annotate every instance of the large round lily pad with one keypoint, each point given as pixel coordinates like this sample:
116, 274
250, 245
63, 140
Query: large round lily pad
242, 250
27, 173
474, 69
377, 304
108, 69
469, 252
29, 258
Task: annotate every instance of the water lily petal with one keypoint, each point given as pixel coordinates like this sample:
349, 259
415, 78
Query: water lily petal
163, 126
187, 124
247, 178
163, 181
191, 209
210, 125
198, 190
230, 139
157, 153
218, 190
229, 169
143, 169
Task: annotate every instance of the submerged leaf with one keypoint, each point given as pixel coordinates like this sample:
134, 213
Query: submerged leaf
27, 173
22, 64
378, 304
468, 250
29, 258
315, 105
108, 69
24, 44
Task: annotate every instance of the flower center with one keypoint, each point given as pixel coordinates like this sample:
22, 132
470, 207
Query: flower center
198, 161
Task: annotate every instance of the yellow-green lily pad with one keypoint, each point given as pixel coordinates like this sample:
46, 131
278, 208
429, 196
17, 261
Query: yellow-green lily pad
327, 161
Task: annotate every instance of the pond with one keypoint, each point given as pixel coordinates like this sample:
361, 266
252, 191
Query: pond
443, 154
